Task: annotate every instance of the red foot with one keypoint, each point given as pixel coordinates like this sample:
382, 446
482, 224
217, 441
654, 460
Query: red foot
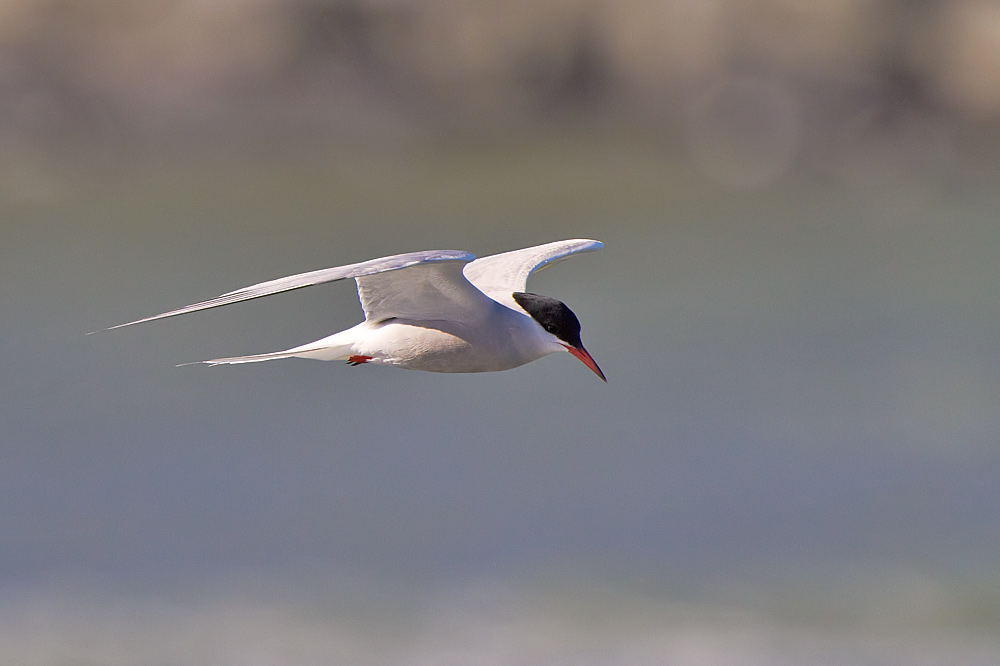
358, 360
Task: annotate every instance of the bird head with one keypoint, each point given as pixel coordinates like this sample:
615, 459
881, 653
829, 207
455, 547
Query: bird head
558, 321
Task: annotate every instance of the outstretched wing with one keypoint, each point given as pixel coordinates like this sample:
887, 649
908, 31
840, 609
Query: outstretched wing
452, 258
428, 291
500, 275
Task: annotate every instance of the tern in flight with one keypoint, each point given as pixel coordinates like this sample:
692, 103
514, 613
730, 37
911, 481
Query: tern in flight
438, 311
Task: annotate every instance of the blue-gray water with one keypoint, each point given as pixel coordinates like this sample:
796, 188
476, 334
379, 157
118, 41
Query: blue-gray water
794, 461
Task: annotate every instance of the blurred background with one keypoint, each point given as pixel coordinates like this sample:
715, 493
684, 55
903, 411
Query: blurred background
795, 459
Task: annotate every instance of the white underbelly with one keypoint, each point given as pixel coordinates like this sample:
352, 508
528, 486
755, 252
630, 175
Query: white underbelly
435, 350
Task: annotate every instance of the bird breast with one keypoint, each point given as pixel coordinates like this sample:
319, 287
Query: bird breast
445, 346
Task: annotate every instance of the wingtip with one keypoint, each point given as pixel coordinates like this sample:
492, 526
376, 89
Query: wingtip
116, 326
111, 328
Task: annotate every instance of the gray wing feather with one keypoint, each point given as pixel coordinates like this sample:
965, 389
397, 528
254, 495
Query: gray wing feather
424, 292
364, 268
499, 275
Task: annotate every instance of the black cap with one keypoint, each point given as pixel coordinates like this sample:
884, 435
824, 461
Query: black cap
552, 315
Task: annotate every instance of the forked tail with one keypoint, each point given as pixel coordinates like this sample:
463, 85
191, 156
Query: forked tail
324, 352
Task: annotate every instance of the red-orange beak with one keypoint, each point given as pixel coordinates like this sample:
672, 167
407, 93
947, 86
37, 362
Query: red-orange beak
587, 359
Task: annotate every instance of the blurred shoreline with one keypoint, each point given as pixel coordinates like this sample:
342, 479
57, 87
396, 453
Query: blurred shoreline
117, 70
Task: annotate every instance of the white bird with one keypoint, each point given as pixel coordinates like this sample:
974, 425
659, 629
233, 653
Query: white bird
438, 310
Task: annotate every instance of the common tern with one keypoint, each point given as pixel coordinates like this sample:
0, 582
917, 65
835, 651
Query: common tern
438, 311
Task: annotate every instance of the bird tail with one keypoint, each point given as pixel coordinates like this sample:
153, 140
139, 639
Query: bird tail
322, 350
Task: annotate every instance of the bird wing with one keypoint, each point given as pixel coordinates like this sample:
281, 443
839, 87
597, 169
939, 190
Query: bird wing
448, 262
500, 275
428, 291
